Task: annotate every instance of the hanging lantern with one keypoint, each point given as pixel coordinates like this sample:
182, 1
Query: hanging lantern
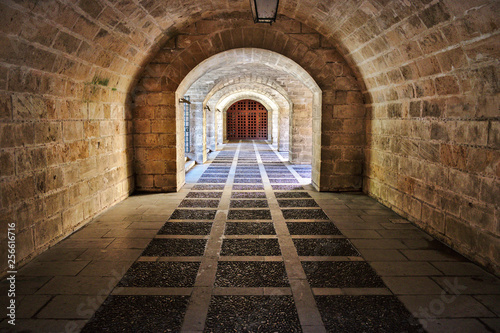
264, 11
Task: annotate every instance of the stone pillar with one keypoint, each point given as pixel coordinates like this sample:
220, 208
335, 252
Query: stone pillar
155, 142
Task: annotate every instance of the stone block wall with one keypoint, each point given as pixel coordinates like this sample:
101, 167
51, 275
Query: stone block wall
65, 144
155, 141
432, 150
300, 126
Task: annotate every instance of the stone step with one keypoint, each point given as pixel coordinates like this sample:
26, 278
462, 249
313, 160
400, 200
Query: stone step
189, 165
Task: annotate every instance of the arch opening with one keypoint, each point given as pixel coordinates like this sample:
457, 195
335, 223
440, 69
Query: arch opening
276, 101
305, 115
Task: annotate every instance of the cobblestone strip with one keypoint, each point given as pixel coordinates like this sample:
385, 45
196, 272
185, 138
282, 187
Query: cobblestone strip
196, 313
307, 310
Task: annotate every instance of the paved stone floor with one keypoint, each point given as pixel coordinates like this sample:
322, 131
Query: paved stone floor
248, 246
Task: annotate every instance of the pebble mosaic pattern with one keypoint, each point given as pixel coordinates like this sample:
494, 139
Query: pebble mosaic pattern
250, 247
204, 195
248, 187
175, 247
292, 195
139, 314
283, 180
160, 274
250, 228
366, 313
287, 187
312, 228
248, 204
324, 247
298, 203
208, 187
241, 236
248, 195
185, 228
304, 214
212, 180
249, 215
199, 203
341, 274
252, 314
251, 274
247, 180
184, 214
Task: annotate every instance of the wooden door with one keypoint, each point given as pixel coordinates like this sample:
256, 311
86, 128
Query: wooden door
247, 119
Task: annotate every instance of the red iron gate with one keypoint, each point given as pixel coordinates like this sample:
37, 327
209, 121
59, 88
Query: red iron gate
247, 119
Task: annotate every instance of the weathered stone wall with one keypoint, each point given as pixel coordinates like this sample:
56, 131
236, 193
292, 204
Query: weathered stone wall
65, 151
301, 124
155, 161
433, 130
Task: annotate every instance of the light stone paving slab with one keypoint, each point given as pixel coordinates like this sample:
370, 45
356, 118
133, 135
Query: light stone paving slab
448, 306
47, 325
435, 325
130, 233
367, 234
490, 301
381, 255
106, 268
317, 236
459, 268
110, 254
30, 305
86, 243
90, 233
351, 291
412, 285
70, 307
54, 268
129, 243
394, 268
79, 285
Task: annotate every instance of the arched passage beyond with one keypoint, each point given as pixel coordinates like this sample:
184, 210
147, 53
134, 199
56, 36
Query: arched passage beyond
276, 101
336, 108
270, 61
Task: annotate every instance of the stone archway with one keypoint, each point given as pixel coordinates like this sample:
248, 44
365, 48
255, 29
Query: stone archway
339, 109
279, 105
261, 57
227, 100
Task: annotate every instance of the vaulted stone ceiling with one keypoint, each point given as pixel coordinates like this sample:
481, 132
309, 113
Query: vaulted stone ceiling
79, 38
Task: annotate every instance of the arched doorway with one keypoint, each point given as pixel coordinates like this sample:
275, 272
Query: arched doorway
247, 119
